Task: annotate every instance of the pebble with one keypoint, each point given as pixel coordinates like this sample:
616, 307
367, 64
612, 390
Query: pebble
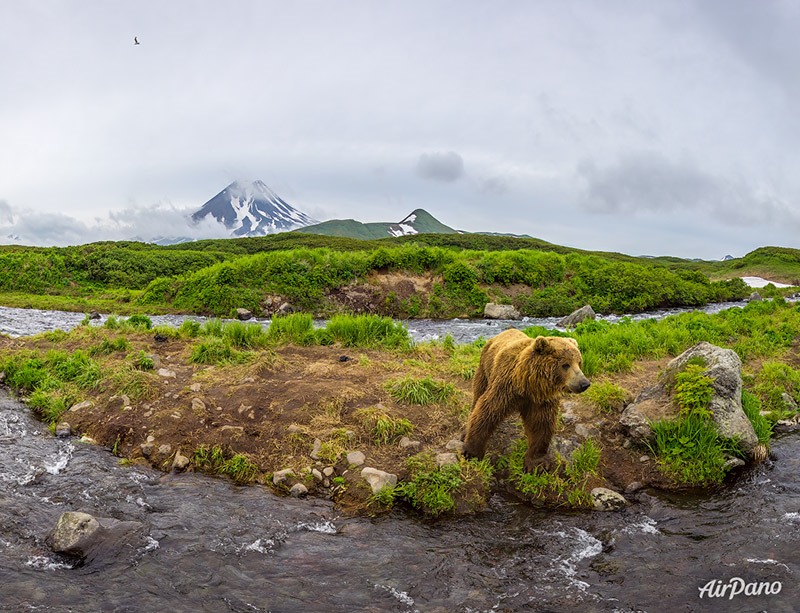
198, 405
299, 490
63, 430
356, 458
455, 445
407, 442
280, 476
328, 471
443, 459
166, 373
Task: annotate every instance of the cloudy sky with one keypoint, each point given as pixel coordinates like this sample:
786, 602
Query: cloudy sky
633, 126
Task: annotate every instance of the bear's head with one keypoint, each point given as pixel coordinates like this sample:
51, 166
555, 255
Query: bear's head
563, 360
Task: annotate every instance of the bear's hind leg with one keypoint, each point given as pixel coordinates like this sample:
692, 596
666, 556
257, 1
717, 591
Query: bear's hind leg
487, 413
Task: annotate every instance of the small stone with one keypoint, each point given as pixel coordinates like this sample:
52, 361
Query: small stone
150, 438
87, 439
605, 499
180, 462
243, 314
644, 458
732, 463
316, 474
166, 373
94, 315
627, 443
356, 458
294, 428
634, 487
407, 442
280, 476
198, 405
299, 490
328, 471
492, 310
444, 459
165, 449
86, 404
147, 449
455, 445
378, 479
63, 430
195, 387
315, 451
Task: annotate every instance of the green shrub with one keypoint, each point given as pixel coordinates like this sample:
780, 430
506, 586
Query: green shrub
693, 390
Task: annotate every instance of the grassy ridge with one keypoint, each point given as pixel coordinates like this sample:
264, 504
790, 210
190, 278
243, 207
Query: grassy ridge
215, 276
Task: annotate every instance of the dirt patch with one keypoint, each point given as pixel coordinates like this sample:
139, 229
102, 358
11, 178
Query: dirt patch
305, 409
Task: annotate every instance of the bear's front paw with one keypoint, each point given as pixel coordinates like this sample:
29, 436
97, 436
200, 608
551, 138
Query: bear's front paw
542, 462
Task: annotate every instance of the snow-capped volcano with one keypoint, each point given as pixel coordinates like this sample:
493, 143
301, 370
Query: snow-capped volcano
253, 209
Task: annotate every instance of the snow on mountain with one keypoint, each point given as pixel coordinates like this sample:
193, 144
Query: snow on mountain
252, 209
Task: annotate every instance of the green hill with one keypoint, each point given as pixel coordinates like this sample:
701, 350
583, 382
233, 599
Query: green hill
418, 222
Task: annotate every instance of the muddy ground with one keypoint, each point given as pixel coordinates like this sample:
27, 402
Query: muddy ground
277, 407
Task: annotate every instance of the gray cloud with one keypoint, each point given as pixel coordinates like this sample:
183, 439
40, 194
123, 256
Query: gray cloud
494, 186
5, 213
650, 182
446, 167
141, 223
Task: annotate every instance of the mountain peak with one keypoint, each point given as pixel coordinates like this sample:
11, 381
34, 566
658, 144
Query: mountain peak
251, 208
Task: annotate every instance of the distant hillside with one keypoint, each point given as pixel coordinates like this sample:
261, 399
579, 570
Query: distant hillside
418, 222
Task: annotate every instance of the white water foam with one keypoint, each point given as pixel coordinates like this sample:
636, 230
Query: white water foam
45, 563
325, 527
586, 546
259, 546
62, 458
151, 544
767, 561
791, 516
647, 526
402, 597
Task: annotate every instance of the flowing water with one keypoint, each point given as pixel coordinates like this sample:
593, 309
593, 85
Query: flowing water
207, 545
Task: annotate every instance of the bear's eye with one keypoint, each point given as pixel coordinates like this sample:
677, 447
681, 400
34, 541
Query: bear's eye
565, 366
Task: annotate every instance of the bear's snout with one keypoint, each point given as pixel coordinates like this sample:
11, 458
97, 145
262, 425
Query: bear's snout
578, 385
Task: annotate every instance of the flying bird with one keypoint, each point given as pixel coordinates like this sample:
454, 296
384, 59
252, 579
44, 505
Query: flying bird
135, 40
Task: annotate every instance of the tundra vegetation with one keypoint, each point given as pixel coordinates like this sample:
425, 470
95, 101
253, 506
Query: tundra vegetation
315, 274
272, 398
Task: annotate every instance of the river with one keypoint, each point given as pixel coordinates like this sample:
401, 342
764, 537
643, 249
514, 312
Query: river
209, 545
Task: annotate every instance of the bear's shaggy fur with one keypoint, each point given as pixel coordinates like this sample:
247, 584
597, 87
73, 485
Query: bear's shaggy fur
525, 375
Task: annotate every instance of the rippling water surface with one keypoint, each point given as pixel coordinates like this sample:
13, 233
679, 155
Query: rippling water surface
207, 545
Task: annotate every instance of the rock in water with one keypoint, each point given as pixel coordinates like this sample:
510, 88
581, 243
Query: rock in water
492, 310
576, 317
74, 534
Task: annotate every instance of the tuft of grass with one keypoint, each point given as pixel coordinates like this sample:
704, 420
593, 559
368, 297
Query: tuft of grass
383, 428
568, 490
752, 408
690, 450
366, 331
108, 346
423, 391
464, 359
217, 351
439, 490
297, 328
134, 383
190, 328
142, 361
50, 405
214, 460
383, 499
243, 335
608, 397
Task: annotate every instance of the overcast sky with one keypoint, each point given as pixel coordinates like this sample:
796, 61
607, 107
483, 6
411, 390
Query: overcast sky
646, 127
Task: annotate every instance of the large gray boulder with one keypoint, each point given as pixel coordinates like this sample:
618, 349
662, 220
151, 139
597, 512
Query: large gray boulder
492, 310
576, 317
86, 537
724, 368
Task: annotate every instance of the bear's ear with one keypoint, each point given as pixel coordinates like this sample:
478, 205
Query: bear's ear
541, 345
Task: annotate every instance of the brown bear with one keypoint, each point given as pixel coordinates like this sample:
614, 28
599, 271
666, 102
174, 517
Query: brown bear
526, 375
